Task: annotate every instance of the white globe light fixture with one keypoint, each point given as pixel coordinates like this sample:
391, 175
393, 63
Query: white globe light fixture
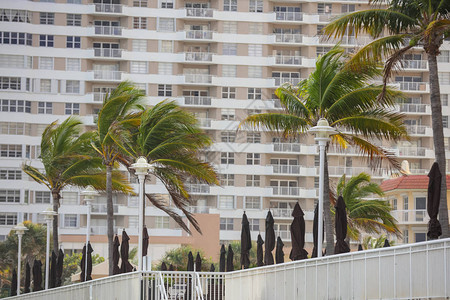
20, 230
48, 217
89, 195
322, 132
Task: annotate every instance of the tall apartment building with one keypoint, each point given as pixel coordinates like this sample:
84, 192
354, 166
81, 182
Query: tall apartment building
219, 59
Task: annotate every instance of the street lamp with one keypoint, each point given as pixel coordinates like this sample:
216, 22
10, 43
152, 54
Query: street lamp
141, 168
322, 131
48, 217
20, 230
89, 193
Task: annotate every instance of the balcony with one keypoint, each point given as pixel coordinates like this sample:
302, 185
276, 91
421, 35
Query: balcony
204, 122
415, 64
197, 188
416, 129
98, 97
198, 56
353, 171
289, 38
411, 108
287, 147
108, 8
412, 151
412, 86
288, 60
285, 169
288, 16
199, 209
101, 208
199, 34
326, 17
105, 52
199, 12
281, 80
285, 235
108, 30
197, 78
281, 212
107, 75
293, 191
413, 216
197, 100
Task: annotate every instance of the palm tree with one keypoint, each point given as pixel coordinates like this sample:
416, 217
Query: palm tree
336, 92
368, 216
121, 111
409, 23
68, 161
370, 242
171, 140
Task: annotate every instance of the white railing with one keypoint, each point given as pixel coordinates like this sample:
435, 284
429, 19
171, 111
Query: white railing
108, 8
287, 147
353, 171
416, 129
101, 208
419, 171
199, 34
288, 16
326, 17
107, 75
199, 209
412, 86
411, 108
105, 52
197, 78
412, 151
412, 271
281, 212
199, 12
204, 122
198, 188
411, 216
284, 169
197, 100
339, 150
288, 60
108, 30
285, 235
198, 56
282, 80
99, 96
415, 64
288, 38
293, 191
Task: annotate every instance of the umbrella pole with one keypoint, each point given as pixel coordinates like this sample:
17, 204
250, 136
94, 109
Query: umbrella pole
141, 218
88, 234
47, 254
322, 144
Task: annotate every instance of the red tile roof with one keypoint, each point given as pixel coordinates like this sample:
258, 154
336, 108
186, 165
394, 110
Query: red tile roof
408, 182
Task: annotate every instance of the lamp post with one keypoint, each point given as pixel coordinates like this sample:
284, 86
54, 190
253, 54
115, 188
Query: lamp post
48, 217
20, 230
322, 131
141, 168
89, 193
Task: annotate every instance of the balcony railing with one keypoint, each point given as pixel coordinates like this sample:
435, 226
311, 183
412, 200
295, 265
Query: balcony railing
411, 216
285, 235
108, 8
411, 108
199, 209
281, 212
104, 52
197, 100
101, 208
198, 188
288, 60
198, 56
289, 16
199, 34
415, 64
284, 169
412, 86
416, 129
204, 122
108, 30
352, 171
326, 17
286, 147
199, 12
98, 97
107, 75
197, 78
288, 38
102, 230
286, 190
412, 151
281, 80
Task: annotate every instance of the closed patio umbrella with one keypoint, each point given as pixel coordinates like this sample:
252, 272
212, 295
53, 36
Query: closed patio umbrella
340, 222
171, 268
246, 242
259, 251
279, 254
270, 240
230, 256
298, 234
52, 282
27, 282
315, 231
37, 276
222, 259
212, 268
386, 243
434, 199
145, 239
59, 268
86, 273
13, 291
116, 255
190, 265
163, 266
125, 267
198, 262
360, 248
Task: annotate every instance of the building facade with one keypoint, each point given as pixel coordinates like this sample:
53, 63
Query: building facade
219, 59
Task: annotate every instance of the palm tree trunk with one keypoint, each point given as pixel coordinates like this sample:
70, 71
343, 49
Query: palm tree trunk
438, 138
110, 217
326, 211
55, 196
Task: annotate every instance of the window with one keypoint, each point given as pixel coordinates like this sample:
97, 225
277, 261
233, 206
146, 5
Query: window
73, 42
229, 49
46, 86
72, 109
42, 197
10, 83
46, 40
228, 92
45, 108
227, 179
256, 6
9, 196
138, 67
253, 158
252, 112
139, 45
444, 99
444, 78
316, 182
254, 72
72, 86
9, 174
253, 180
228, 136
445, 121
421, 203
15, 61
252, 202
166, 24
165, 68
226, 202
420, 237
255, 50
70, 220
73, 64
47, 18
228, 114
69, 198
133, 221
254, 137
444, 57
15, 15
167, 3
166, 46
406, 236
230, 5
15, 38
73, 1
15, 128
73, 20
8, 219
227, 158
324, 8
255, 28
319, 29
394, 204
229, 71
254, 94
140, 3
165, 90
10, 150
162, 222
346, 8
139, 22
46, 63
254, 224
322, 50
229, 27
226, 224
